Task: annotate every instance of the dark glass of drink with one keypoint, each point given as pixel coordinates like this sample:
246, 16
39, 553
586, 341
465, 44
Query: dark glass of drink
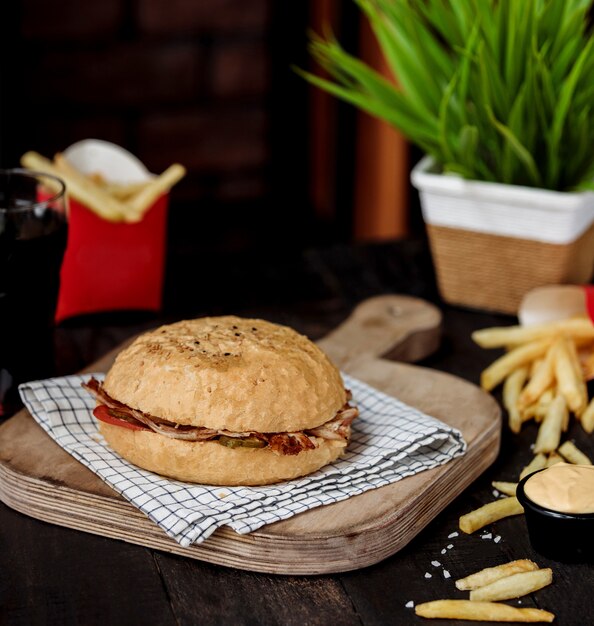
33, 231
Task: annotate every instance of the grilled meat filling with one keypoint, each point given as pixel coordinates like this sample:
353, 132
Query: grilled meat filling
337, 429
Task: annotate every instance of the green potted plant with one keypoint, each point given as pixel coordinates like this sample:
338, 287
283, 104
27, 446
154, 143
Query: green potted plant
500, 96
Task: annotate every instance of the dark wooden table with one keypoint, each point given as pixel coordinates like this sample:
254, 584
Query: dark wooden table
53, 575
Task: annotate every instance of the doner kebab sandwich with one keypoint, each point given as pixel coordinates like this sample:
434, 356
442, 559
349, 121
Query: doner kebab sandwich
224, 401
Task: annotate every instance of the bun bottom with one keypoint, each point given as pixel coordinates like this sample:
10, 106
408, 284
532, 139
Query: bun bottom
210, 462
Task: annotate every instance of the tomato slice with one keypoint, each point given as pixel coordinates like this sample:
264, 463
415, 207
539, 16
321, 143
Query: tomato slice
104, 414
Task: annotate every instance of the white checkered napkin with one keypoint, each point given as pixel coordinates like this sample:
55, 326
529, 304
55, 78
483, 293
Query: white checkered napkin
390, 441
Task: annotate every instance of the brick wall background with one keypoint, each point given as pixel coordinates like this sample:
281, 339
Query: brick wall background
207, 83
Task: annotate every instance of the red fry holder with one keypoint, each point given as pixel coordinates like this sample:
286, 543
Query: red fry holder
111, 266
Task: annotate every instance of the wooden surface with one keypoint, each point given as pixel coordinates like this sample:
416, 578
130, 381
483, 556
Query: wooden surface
40, 479
52, 575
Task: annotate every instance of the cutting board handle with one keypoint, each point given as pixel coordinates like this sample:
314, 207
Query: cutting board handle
397, 327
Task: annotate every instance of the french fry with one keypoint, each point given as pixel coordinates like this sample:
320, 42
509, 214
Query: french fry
514, 586
39, 166
123, 191
83, 190
553, 459
530, 412
549, 433
587, 417
579, 373
569, 383
491, 574
541, 379
505, 365
481, 611
579, 328
570, 452
512, 388
505, 507
139, 204
115, 202
507, 489
89, 192
535, 365
587, 363
543, 403
538, 462
98, 178
565, 420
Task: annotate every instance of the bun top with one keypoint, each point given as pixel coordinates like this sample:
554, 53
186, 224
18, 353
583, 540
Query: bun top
228, 373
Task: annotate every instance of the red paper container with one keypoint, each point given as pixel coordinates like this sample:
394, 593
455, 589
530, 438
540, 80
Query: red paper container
111, 266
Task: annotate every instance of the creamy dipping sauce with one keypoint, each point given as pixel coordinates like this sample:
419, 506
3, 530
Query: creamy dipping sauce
563, 487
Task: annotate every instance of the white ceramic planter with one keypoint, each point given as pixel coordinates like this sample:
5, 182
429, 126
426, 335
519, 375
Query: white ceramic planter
492, 243
498, 209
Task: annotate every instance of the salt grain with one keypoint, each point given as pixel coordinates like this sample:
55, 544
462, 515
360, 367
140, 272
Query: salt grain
444, 551
452, 535
497, 539
496, 494
450, 546
487, 536
428, 575
410, 604
435, 563
446, 574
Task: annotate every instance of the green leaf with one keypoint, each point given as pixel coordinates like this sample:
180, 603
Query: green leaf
561, 112
417, 128
492, 89
519, 150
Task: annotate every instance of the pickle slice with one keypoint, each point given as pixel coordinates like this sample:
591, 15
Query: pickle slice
235, 442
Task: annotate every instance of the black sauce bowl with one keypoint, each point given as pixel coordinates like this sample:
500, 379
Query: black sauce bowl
565, 537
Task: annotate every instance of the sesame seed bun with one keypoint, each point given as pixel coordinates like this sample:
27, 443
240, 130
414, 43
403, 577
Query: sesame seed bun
228, 373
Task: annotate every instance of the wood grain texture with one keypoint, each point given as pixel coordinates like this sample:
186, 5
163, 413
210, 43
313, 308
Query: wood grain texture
38, 478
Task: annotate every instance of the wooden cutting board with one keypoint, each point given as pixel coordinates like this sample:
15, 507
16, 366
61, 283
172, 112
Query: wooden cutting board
40, 479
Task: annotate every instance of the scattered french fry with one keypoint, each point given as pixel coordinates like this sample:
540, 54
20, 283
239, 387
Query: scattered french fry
570, 452
492, 574
514, 586
568, 382
542, 379
505, 507
587, 417
538, 462
481, 611
549, 433
511, 361
578, 328
534, 366
587, 363
507, 489
579, 374
529, 413
544, 375
512, 388
553, 459
543, 403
